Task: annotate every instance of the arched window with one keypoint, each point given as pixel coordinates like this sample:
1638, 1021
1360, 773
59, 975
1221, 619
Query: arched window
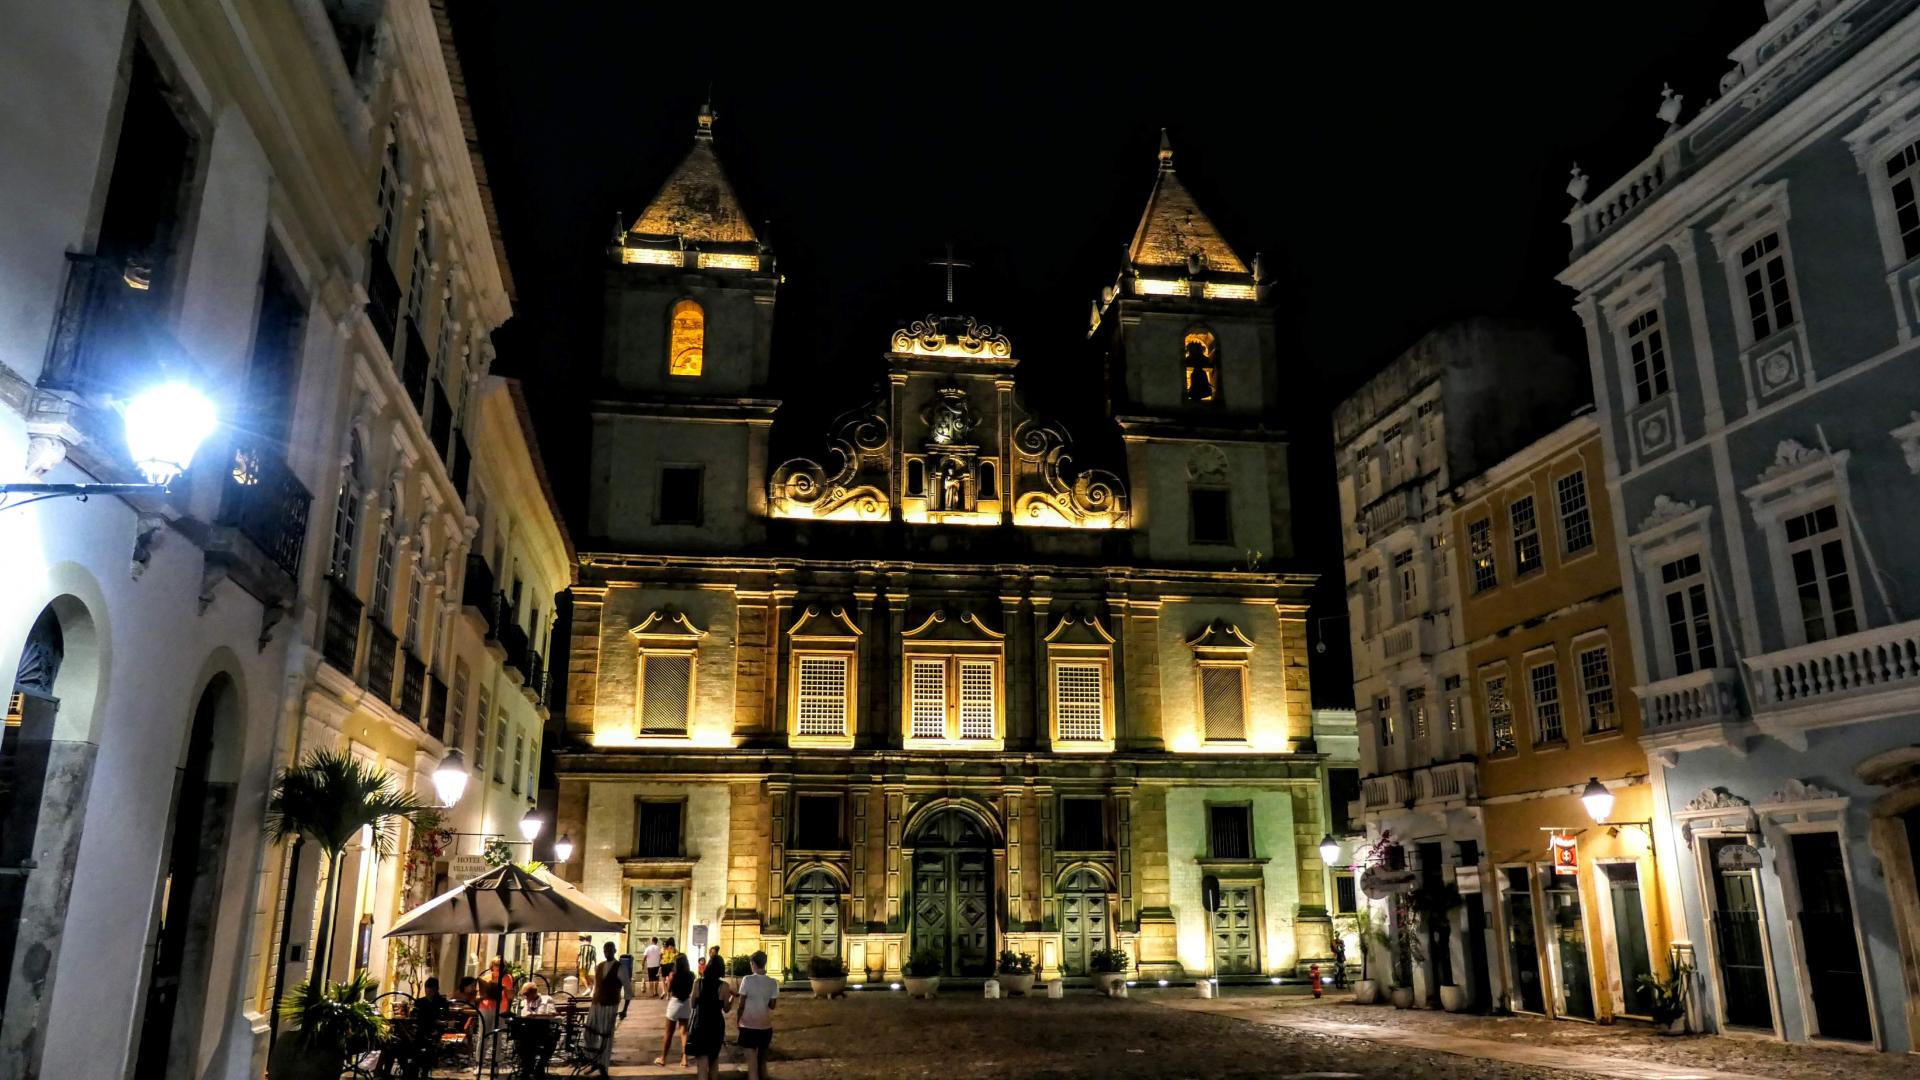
1200, 365
687, 343
916, 477
346, 512
987, 488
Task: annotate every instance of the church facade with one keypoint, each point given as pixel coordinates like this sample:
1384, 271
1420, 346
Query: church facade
942, 686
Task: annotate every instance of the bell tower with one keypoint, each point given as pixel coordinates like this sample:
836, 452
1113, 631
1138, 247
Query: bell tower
682, 413
1187, 331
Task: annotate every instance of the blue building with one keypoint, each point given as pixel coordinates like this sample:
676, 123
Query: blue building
1750, 295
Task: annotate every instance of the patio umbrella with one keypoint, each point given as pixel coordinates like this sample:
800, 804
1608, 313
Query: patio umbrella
507, 900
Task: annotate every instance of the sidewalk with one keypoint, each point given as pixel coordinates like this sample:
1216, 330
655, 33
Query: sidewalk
636, 1042
1618, 1050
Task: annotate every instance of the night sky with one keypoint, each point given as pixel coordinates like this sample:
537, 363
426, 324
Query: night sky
1398, 168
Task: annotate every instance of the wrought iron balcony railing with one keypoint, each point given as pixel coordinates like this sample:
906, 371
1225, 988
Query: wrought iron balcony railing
514, 640
383, 295
267, 504
111, 329
537, 677
438, 703
382, 653
413, 687
340, 632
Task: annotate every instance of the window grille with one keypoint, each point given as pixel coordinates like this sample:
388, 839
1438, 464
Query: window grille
663, 694
1079, 706
1499, 716
823, 695
976, 699
1223, 698
930, 699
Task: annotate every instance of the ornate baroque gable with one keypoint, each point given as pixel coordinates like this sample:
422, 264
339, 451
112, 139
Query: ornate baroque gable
861, 445
943, 625
1048, 491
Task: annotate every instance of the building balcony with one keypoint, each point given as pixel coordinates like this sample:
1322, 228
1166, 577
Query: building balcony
514, 641
413, 368
1870, 675
263, 504
1590, 221
440, 426
535, 687
1688, 712
459, 463
1384, 792
1419, 638
340, 630
413, 688
383, 295
1396, 508
436, 707
1451, 782
382, 654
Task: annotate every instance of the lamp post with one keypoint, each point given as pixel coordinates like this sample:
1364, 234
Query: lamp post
1599, 803
1329, 849
530, 824
450, 778
563, 848
165, 426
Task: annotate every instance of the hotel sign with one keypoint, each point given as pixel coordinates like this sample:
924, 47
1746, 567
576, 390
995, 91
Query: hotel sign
1737, 857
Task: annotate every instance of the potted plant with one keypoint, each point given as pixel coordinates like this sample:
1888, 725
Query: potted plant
738, 968
1015, 972
329, 797
1372, 936
922, 973
333, 1021
1669, 1005
1406, 953
1435, 904
828, 976
1109, 967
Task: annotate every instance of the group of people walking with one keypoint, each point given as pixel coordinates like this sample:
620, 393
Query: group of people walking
696, 1006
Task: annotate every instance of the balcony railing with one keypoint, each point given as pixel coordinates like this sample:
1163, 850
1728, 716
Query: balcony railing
1883, 659
536, 677
413, 687
1379, 792
382, 653
108, 329
413, 368
436, 707
514, 640
340, 633
383, 295
1589, 221
1448, 782
267, 504
478, 592
1710, 696
1389, 512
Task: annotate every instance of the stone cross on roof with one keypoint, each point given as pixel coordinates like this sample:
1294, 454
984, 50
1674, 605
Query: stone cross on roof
951, 264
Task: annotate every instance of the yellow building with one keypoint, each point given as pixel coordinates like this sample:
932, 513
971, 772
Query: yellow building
1548, 656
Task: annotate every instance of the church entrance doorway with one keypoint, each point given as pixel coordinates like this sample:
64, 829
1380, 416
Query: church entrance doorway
1234, 951
816, 918
953, 894
1083, 920
653, 911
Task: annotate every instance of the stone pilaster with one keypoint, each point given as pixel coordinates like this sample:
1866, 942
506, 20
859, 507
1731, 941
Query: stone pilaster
1299, 687
753, 658
1140, 642
583, 662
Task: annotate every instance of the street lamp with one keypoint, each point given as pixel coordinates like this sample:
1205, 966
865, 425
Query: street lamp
1329, 849
562, 848
530, 824
450, 778
1598, 799
164, 427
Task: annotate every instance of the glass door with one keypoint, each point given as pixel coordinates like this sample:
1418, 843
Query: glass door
1523, 946
1569, 941
1629, 937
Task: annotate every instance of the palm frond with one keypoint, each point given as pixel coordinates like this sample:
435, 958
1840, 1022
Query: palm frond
330, 796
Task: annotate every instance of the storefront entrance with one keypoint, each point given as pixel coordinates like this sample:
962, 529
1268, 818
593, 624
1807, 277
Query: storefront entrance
1631, 957
1523, 945
1568, 941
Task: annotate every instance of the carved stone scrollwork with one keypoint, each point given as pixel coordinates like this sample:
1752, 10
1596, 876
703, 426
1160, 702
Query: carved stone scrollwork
1086, 498
950, 336
857, 488
1796, 790
1716, 798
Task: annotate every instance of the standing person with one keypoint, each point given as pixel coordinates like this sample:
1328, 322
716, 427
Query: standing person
651, 961
606, 1009
758, 995
679, 1007
667, 955
709, 1030
626, 983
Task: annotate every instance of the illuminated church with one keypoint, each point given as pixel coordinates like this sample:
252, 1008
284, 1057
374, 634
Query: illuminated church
943, 685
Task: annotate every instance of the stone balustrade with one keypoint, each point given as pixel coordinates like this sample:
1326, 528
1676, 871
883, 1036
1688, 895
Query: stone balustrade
1709, 696
1872, 661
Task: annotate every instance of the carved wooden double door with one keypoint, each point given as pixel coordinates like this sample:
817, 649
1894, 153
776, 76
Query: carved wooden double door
652, 912
953, 895
1235, 942
816, 918
1083, 920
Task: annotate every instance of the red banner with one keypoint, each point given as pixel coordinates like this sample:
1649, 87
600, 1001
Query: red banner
1566, 857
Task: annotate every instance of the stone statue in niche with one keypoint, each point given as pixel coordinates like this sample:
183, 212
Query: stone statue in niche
949, 417
952, 487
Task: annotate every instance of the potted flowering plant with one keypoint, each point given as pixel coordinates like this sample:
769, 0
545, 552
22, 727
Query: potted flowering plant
1109, 967
1366, 990
1015, 972
922, 973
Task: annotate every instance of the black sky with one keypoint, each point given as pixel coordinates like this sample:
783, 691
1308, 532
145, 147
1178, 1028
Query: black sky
1399, 166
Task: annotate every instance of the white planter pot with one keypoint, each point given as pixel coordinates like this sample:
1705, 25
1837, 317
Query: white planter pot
1403, 997
829, 988
1366, 992
1105, 981
921, 987
1015, 984
1453, 998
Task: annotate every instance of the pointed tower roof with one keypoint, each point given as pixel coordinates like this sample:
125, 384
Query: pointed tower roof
696, 204
1173, 228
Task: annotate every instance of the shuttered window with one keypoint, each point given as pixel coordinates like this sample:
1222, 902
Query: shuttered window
823, 695
1079, 702
1223, 702
1230, 830
665, 682
930, 699
976, 699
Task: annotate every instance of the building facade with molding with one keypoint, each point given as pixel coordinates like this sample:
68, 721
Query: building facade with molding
1447, 408
1549, 667
942, 684
1750, 296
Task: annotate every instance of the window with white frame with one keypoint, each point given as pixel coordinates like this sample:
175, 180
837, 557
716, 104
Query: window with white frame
821, 682
1903, 177
1648, 352
1500, 738
346, 512
480, 713
1576, 515
1079, 701
954, 698
666, 691
500, 748
1372, 607
1409, 582
1822, 583
1480, 554
1526, 535
1223, 702
1543, 687
389, 195
1596, 690
1417, 712
1763, 276
1395, 448
929, 691
457, 713
1456, 707
519, 759
416, 630
383, 562
1383, 715
1683, 598
417, 278
533, 764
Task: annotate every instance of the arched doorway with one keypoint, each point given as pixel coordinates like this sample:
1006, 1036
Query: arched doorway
1083, 919
953, 892
816, 917
24, 742
203, 792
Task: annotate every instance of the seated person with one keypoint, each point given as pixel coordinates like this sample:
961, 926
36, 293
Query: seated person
431, 1006
535, 1003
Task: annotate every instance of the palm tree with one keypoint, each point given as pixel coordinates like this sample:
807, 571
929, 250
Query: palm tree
329, 797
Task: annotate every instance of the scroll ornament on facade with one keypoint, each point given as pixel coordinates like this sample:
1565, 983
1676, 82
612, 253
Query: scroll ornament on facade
1086, 498
859, 443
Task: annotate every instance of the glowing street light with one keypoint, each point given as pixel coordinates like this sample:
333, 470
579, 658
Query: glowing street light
1329, 849
530, 824
1598, 799
450, 778
164, 427
563, 848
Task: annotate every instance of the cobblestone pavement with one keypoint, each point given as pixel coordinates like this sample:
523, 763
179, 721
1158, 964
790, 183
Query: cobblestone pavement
1625, 1041
961, 1036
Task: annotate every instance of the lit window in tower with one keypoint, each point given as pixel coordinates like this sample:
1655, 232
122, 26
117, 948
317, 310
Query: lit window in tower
687, 345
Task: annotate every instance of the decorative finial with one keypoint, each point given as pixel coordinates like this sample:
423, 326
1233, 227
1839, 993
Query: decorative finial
1577, 186
619, 228
1166, 150
705, 119
1669, 110
1259, 269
